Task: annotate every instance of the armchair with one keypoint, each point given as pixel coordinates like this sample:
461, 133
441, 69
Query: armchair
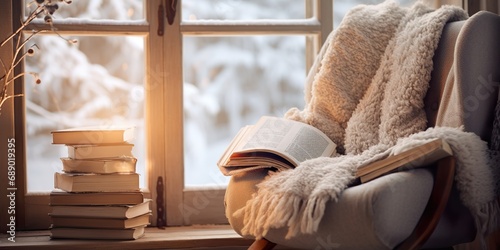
417, 208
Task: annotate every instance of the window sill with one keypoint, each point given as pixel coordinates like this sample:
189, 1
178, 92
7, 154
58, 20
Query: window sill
199, 237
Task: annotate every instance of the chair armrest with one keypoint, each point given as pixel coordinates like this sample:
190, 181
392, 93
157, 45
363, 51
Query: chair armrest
443, 182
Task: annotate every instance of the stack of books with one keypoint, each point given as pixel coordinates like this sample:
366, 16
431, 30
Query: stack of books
97, 195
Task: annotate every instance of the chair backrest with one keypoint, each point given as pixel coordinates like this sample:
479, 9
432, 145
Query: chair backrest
464, 91
466, 75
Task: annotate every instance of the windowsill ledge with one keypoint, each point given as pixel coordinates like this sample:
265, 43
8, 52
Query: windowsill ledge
199, 237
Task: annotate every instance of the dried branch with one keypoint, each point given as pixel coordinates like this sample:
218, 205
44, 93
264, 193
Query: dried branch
45, 7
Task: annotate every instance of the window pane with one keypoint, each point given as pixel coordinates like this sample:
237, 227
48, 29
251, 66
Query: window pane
96, 9
230, 82
242, 9
97, 82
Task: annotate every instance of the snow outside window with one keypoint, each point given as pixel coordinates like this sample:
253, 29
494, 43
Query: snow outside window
230, 82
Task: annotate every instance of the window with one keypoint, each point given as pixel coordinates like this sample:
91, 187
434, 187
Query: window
99, 81
175, 88
71, 96
225, 91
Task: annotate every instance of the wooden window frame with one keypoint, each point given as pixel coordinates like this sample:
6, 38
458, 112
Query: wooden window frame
163, 106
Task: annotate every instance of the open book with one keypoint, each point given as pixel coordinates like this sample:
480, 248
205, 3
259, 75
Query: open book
274, 143
283, 144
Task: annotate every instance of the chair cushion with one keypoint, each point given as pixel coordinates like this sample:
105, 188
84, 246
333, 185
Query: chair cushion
382, 212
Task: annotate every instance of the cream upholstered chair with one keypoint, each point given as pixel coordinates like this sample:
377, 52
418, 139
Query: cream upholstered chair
410, 209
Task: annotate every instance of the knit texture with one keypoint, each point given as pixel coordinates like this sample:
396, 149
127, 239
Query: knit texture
353, 57
367, 96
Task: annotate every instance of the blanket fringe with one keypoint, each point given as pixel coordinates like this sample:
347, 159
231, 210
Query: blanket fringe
266, 211
312, 215
281, 209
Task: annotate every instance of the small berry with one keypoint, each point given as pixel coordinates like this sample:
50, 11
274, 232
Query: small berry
51, 8
47, 19
30, 52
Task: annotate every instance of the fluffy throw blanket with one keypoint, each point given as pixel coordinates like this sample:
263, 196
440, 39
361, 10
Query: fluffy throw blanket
367, 96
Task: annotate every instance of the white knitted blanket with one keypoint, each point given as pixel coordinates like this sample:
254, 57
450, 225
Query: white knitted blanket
367, 96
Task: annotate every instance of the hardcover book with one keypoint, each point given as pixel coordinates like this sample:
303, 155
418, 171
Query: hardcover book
109, 223
100, 166
418, 156
120, 182
60, 198
97, 234
82, 152
93, 135
103, 211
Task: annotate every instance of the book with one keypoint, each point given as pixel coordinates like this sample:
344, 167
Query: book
100, 166
418, 156
120, 182
274, 142
110, 223
99, 151
60, 198
93, 135
102, 211
97, 234
282, 144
